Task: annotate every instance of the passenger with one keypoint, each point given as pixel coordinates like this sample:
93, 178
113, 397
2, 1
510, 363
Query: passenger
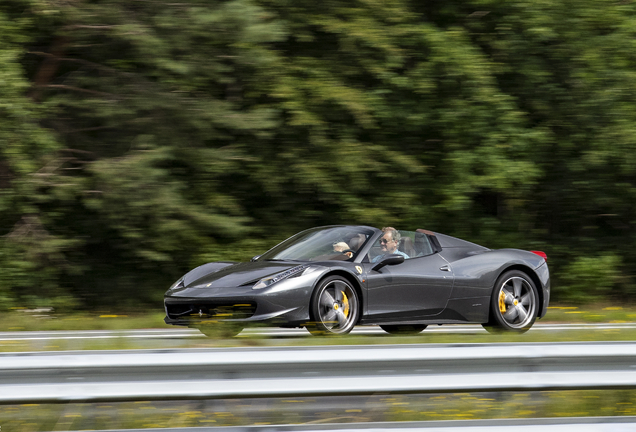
389, 244
343, 247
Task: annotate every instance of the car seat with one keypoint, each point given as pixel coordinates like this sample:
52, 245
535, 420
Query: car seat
422, 246
406, 245
357, 241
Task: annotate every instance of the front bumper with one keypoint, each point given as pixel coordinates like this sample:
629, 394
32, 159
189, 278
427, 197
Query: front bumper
199, 306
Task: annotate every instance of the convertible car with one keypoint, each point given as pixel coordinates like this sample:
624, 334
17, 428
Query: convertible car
330, 279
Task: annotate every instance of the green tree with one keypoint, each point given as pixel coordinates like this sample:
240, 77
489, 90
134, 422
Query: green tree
144, 138
31, 256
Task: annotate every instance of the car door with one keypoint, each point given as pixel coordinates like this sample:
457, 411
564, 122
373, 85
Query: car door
418, 287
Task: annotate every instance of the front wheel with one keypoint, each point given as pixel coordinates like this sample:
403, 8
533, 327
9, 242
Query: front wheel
221, 330
406, 329
334, 307
514, 303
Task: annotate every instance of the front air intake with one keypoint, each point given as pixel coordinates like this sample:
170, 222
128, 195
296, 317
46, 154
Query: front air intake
207, 310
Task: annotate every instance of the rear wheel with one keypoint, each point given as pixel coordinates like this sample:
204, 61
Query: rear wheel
406, 329
334, 307
514, 303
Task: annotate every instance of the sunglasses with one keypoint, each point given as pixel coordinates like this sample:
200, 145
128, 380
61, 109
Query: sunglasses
384, 241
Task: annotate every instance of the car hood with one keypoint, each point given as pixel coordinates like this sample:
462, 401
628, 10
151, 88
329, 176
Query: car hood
235, 275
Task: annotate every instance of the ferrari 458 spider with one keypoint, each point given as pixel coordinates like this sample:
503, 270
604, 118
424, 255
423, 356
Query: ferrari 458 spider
330, 279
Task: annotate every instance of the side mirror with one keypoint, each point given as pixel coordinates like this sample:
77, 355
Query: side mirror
391, 259
255, 258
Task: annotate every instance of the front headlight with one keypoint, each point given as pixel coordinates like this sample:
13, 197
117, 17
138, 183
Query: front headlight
292, 272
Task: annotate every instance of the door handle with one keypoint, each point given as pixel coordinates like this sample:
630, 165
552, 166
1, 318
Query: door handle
445, 268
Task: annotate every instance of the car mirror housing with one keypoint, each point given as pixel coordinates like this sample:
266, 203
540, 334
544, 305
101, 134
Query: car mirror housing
255, 258
391, 259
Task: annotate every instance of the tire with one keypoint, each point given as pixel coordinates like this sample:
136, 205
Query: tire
514, 304
334, 307
406, 329
221, 330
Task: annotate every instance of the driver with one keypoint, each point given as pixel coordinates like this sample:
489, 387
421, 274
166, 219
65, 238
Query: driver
389, 244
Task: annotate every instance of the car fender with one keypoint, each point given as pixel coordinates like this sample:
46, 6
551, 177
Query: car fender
357, 277
476, 275
204, 270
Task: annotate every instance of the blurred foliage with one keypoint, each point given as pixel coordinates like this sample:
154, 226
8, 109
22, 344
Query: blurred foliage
140, 139
590, 278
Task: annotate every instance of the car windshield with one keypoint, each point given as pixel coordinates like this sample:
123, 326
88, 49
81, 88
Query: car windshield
321, 244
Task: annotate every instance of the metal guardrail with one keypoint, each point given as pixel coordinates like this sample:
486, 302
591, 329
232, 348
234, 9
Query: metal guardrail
334, 370
561, 424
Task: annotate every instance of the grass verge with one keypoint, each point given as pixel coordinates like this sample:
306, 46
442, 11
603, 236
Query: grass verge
341, 409
34, 320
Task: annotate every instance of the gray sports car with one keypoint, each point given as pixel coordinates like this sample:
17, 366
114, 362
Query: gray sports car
330, 279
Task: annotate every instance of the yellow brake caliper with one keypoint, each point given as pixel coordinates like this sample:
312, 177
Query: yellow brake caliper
345, 303
502, 302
